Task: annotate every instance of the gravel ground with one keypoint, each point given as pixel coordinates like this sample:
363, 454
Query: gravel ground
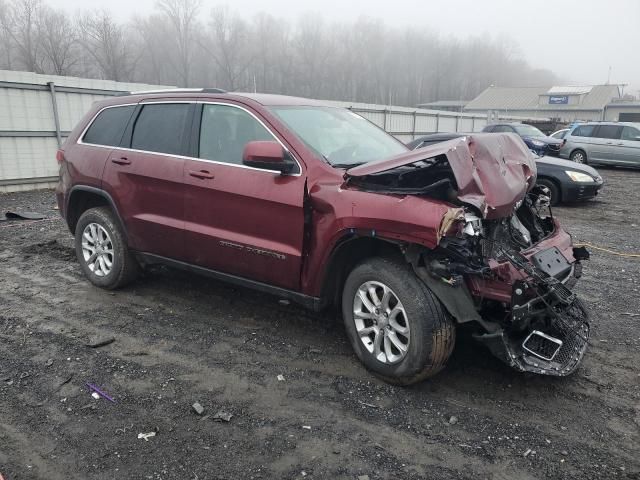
181, 339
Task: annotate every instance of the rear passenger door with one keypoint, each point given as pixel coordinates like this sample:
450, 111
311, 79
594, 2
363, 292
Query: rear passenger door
606, 144
240, 220
631, 145
145, 177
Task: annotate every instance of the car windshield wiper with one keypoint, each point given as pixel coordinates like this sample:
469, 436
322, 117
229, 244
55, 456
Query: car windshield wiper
347, 165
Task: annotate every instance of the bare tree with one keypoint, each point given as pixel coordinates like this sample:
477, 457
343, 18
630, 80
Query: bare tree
59, 41
182, 17
105, 41
20, 24
228, 45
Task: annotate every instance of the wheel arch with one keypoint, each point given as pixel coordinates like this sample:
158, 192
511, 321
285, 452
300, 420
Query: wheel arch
347, 253
82, 198
559, 186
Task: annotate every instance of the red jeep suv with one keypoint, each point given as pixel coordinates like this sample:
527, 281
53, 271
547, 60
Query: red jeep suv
315, 204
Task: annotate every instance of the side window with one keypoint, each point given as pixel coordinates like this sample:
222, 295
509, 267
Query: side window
609, 131
503, 129
224, 132
109, 125
159, 128
630, 133
583, 131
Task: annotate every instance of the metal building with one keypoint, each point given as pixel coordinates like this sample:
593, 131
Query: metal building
566, 103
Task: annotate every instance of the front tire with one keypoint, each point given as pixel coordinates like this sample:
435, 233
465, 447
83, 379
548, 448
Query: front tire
578, 156
398, 329
102, 250
554, 191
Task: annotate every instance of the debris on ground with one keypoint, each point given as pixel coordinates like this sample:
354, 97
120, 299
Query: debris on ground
223, 416
306, 427
95, 395
363, 477
527, 452
146, 436
49, 362
283, 302
281, 378
64, 382
453, 420
199, 409
100, 392
20, 215
100, 342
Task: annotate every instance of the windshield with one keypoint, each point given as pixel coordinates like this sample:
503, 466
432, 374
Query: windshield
528, 131
343, 138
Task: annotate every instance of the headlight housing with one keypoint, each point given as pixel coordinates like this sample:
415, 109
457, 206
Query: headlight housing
538, 143
579, 176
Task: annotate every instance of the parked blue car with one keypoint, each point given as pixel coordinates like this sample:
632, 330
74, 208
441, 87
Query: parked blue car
537, 141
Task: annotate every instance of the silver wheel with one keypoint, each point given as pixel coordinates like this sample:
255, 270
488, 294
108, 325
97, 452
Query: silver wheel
381, 322
578, 157
97, 249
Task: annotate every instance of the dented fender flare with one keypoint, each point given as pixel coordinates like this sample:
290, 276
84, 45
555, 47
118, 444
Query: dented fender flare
456, 298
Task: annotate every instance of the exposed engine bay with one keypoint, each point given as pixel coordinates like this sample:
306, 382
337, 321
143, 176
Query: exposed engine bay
502, 261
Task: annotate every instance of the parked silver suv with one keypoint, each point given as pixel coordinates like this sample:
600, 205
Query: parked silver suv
609, 143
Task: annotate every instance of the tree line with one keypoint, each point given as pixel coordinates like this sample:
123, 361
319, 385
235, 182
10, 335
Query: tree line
184, 44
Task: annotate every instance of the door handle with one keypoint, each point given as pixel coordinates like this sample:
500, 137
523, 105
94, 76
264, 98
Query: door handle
121, 161
201, 174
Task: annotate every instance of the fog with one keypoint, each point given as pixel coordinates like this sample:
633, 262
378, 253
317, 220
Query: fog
577, 42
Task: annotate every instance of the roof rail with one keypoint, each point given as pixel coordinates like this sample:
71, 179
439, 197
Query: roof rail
179, 90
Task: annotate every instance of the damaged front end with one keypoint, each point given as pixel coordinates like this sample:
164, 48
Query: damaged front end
502, 262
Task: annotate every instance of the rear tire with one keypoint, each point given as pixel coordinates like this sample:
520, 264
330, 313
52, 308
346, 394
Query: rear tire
578, 156
555, 196
102, 250
429, 332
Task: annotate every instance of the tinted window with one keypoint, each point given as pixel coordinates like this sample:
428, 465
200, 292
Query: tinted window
502, 129
159, 128
224, 132
609, 131
583, 131
109, 125
630, 133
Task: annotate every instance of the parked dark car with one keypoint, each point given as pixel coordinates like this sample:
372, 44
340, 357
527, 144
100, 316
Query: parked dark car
567, 181
316, 204
534, 138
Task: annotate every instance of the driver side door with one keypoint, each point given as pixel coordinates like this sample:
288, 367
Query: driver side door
240, 220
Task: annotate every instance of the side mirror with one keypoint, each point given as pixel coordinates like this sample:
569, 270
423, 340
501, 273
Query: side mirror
267, 155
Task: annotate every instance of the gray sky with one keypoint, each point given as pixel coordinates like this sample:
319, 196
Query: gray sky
577, 39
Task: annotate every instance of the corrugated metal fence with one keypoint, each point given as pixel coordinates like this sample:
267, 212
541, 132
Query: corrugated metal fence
38, 111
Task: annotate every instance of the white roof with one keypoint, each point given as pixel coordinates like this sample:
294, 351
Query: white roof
569, 90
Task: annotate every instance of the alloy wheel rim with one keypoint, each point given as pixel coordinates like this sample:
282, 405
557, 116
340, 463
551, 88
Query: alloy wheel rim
578, 158
381, 322
97, 249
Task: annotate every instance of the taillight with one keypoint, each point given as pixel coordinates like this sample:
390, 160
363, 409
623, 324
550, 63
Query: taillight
60, 157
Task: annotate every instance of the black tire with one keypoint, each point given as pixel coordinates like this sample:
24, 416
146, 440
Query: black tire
432, 332
579, 156
555, 195
124, 266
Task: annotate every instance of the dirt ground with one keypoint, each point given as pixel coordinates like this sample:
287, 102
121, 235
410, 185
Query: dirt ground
181, 339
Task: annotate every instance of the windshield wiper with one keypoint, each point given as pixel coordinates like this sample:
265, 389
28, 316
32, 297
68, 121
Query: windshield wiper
347, 165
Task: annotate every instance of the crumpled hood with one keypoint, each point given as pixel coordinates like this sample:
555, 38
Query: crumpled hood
493, 171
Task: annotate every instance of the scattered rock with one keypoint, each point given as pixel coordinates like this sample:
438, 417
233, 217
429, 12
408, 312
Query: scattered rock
453, 420
363, 477
315, 351
564, 452
306, 427
49, 362
526, 454
223, 416
95, 395
199, 409
281, 378
283, 302
98, 342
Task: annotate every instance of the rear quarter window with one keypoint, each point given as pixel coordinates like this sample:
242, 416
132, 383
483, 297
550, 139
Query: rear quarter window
108, 127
